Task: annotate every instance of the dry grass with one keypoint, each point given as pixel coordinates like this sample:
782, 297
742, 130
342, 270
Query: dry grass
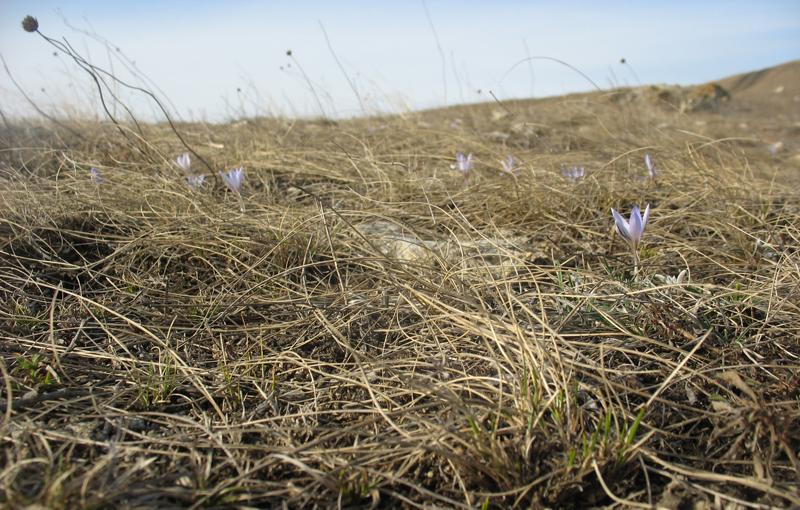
374, 331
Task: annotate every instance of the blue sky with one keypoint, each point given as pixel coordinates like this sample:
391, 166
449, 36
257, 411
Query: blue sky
218, 60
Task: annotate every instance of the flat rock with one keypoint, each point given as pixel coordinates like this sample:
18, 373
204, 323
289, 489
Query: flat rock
499, 253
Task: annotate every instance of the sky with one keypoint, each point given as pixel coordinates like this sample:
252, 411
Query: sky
218, 61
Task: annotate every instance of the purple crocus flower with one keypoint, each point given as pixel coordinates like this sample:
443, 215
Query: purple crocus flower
195, 181
508, 166
233, 178
463, 163
574, 173
184, 162
632, 230
94, 175
651, 170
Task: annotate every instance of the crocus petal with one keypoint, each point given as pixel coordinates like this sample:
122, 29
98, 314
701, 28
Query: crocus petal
635, 224
651, 170
645, 217
184, 161
462, 162
508, 165
237, 176
622, 226
232, 179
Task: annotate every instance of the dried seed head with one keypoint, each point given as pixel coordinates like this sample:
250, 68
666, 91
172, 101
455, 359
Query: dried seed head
30, 24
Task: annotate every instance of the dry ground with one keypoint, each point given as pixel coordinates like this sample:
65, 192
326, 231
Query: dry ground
372, 330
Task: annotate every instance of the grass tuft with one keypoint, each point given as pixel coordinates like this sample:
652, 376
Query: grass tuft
367, 327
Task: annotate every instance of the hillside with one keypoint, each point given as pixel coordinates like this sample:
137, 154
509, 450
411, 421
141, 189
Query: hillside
779, 85
360, 323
